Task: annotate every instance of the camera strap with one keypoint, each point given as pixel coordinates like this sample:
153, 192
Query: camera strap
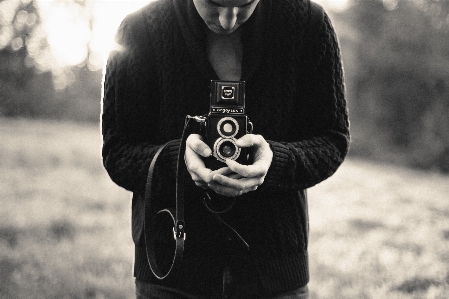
230, 232
177, 216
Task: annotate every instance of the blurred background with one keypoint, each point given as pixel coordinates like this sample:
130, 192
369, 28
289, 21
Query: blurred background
395, 52
64, 227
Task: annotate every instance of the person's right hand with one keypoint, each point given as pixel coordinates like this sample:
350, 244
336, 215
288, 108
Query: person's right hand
196, 148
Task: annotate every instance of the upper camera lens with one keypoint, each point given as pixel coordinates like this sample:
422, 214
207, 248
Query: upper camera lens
227, 127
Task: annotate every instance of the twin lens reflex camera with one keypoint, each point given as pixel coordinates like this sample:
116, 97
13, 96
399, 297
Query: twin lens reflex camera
225, 123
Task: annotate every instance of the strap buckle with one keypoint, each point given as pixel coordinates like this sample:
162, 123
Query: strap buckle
178, 231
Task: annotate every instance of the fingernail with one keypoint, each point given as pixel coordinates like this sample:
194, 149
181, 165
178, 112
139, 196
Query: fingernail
207, 152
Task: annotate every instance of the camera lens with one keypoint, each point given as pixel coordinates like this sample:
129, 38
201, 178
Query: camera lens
225, 148
227, 127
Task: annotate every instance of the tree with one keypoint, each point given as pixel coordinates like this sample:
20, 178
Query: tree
21, 42
32, 82
402, 80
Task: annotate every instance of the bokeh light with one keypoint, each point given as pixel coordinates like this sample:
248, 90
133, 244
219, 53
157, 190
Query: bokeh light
74, 33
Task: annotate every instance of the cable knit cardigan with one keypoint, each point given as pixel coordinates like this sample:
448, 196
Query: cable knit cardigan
159, 73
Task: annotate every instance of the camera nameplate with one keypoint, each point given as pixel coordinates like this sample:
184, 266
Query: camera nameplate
227, 92
221, 110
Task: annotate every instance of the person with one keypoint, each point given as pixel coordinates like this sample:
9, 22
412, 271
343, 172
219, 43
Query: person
166, 56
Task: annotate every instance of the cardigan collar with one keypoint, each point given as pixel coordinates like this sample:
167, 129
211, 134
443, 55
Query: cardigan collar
194, 32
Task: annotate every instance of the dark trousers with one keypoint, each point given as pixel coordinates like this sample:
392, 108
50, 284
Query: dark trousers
231, 289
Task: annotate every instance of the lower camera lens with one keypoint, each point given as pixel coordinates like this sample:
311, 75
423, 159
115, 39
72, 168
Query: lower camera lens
225, 148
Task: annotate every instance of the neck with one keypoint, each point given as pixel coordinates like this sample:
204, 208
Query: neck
225, 55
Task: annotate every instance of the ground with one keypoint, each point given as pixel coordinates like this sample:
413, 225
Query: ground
376, 231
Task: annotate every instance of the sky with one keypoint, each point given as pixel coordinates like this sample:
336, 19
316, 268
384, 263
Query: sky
68, 31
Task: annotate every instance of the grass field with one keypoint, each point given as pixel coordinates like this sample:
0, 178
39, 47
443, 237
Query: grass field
377, 231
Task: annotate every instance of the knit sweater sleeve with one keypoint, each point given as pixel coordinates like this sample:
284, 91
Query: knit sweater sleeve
308, 161
130, 113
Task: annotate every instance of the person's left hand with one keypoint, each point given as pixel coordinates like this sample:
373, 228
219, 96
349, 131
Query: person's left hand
237, 179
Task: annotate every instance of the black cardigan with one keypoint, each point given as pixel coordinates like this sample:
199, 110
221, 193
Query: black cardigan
160, 73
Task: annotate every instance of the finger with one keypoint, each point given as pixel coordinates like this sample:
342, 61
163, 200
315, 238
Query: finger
193, 160
238, 184
223, 190
235, 176
249, 140
223, 171
230, 192
198, 180
259, 168
227, 172
196, 143
249, 189
195, 165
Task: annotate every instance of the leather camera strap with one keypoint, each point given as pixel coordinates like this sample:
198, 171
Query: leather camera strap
177, 215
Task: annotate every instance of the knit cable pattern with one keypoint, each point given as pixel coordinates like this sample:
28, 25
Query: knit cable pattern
295, 99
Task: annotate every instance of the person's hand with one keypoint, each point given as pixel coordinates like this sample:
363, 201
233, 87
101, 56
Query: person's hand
237, 179
196, 149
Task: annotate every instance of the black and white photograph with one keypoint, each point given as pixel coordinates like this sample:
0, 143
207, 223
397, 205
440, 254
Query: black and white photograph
224, 149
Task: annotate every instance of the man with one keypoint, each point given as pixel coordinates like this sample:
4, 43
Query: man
289, 58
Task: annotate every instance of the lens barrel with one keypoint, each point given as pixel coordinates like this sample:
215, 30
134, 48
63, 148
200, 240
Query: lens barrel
225, 148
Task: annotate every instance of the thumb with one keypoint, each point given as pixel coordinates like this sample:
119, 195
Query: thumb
247, 141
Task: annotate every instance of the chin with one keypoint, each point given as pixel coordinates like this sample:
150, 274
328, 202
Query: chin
221, 31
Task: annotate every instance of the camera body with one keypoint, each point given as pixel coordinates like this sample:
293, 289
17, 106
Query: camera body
225, 123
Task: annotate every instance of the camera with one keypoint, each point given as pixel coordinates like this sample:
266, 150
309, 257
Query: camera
225, 123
